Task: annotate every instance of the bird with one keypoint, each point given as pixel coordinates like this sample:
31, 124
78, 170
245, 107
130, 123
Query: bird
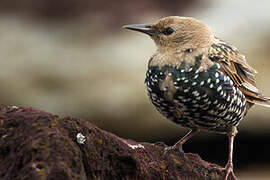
197, 80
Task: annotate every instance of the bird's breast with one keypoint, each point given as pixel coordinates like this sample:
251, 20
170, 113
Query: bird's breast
196, 99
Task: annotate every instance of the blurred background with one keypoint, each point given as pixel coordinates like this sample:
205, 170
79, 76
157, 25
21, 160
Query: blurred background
72, 58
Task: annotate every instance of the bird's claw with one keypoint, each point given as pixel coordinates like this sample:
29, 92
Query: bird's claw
173, 148
229, 170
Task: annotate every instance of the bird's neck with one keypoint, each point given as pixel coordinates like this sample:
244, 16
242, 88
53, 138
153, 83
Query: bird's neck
176, 57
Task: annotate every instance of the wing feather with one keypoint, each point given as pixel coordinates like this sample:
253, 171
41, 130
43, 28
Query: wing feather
234, 64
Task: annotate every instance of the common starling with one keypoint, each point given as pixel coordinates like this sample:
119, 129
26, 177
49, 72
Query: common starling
197, 80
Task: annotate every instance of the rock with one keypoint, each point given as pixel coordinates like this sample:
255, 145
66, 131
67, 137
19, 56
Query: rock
38, 145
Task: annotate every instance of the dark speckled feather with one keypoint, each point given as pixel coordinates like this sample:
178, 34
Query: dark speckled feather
196, 98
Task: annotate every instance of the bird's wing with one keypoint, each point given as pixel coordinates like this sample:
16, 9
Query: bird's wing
235, 66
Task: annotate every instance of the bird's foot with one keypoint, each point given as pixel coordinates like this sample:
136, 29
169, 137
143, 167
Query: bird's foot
229, 170
176, 147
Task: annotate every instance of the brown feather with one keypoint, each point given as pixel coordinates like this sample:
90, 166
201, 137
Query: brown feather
235, 66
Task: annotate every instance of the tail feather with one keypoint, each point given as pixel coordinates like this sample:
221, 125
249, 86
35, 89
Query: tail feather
263, 101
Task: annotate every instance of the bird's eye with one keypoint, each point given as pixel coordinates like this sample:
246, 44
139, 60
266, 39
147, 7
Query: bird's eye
168, 31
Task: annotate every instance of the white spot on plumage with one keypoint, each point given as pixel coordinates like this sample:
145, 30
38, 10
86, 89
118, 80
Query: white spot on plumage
235, 49
234, 90
170, 74
196, 76
182, 70
194, 83
178, 79
223, 107
221, 93
222, 113
203, 105
180, 97
205, 108
216, 74
211, 86
234, 98
163, 108
217, 81
240, 112
240, 93
186, 90
186, 81
195, 93
205, 100
212, 111
161, 73
204, 96
165, 104
208, 80
238, 102
219, 88
202, 83
190, 69
176, 101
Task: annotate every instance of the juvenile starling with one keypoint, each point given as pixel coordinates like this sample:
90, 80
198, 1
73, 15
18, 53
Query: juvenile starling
197, 80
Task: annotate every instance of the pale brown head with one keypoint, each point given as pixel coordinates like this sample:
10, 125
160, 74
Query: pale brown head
176, 32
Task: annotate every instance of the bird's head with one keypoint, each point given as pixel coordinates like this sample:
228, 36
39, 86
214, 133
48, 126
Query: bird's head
181, 33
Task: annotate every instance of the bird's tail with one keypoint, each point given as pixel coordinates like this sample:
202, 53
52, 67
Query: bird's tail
259, 100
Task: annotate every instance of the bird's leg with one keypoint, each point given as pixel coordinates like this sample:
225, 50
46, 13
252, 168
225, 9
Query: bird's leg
179, 143
229, 166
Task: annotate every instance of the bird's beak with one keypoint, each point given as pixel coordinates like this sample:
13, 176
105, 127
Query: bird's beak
144, 28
